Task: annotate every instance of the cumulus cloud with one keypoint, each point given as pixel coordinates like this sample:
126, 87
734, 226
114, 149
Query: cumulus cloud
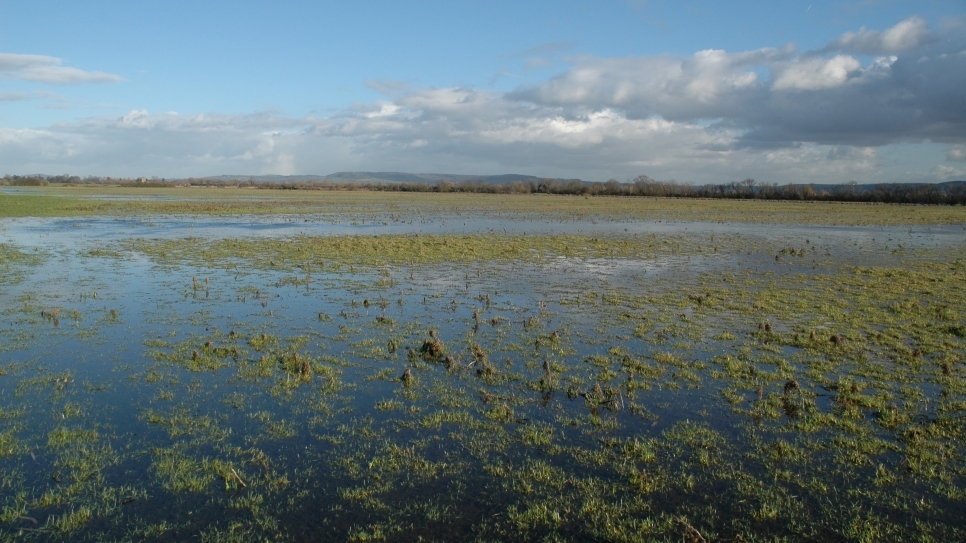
165, 144
783, 97
816, 73
46, 69
908, 34
709, 84
137, 118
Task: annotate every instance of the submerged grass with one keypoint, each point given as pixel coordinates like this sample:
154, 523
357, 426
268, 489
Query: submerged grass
328, 253
455, 387
14, 263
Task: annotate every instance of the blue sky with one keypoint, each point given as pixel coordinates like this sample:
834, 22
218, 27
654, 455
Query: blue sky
695, 91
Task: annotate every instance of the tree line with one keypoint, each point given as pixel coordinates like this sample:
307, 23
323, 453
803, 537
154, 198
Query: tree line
951, 193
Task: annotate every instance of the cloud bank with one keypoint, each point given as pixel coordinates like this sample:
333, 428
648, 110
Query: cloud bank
775, 113
913, 88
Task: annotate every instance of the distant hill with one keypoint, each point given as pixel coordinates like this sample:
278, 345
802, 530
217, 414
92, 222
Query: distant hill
262, 178
385, 177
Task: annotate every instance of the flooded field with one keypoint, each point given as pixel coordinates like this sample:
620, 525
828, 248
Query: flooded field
385, 370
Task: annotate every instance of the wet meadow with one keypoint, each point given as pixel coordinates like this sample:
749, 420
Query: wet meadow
229, 365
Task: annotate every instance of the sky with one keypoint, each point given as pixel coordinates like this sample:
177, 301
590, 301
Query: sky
694, 91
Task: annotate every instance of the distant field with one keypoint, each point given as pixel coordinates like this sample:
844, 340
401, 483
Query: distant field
89, 201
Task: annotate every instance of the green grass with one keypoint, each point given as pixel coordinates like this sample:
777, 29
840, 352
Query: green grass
332, 253
86, 201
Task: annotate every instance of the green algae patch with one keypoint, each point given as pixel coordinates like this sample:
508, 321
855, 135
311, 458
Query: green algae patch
326, 252
14, 263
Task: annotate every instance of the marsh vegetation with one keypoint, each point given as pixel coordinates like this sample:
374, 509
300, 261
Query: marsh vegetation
783, 380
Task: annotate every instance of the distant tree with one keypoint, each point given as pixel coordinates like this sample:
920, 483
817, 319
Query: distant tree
613, 187
747, 188
28, 181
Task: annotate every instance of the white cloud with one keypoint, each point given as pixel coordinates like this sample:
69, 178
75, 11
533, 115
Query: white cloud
816, 73
46, 69
385, 109
135, 119
908, 34
709, 84
946, 173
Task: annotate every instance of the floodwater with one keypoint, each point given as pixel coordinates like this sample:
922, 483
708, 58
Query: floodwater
143, 399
